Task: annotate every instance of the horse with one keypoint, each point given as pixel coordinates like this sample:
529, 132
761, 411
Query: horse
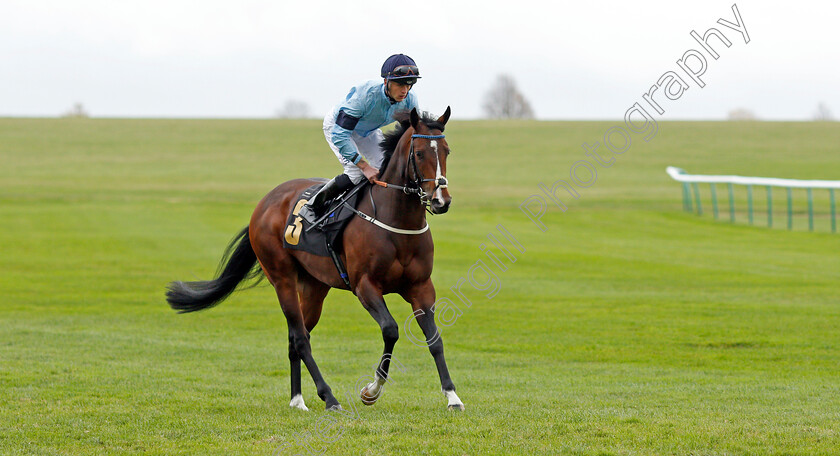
389, 252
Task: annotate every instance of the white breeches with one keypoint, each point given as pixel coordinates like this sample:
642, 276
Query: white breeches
368, 147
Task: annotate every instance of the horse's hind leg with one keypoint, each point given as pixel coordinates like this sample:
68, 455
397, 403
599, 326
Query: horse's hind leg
266, 235
372, 300
294, 362
311, 294
286, 289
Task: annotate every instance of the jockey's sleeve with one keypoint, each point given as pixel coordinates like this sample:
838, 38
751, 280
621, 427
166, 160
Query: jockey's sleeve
348, 116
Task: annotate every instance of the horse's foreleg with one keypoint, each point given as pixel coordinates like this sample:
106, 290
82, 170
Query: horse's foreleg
372, 300
422, 299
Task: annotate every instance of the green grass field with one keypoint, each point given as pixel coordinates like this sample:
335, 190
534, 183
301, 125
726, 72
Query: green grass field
628, 327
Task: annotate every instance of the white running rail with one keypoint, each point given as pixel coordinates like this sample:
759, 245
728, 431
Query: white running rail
690, 182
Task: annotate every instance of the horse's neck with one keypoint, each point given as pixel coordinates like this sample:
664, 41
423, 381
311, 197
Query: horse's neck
397, 207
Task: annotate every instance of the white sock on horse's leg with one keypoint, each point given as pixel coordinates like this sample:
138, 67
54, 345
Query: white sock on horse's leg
454, 401
370, 393
297, 402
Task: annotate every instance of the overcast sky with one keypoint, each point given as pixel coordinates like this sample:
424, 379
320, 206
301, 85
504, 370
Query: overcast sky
571, 60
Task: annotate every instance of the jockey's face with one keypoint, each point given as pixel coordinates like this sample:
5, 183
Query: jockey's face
397, 90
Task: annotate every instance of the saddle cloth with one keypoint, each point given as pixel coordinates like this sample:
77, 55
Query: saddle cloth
297, 234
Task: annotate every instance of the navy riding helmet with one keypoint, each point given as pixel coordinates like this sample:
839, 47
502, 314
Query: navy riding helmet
400, 67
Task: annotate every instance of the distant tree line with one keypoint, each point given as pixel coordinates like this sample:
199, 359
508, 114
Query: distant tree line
505, 101
294, 109
77, 111
821, 114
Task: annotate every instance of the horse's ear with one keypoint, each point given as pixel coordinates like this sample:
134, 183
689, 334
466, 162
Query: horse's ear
445, 117
414, 118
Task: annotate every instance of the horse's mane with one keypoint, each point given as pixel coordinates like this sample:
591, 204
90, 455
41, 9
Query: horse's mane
389, 143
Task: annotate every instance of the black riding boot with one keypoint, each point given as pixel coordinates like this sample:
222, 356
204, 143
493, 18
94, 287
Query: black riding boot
316, 206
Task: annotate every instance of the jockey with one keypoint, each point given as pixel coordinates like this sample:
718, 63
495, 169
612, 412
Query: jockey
352, 128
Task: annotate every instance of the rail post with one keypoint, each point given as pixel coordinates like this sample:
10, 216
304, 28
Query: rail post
749, 203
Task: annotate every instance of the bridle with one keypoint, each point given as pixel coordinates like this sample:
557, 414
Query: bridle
415, 184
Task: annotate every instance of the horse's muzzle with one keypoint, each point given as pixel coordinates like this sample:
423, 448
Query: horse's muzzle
439, 206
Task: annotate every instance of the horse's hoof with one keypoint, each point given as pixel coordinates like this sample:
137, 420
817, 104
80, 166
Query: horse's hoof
297, 402
367, 399
335, 408
454, 401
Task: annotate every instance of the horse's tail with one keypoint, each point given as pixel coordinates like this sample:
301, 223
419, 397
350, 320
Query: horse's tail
237, 265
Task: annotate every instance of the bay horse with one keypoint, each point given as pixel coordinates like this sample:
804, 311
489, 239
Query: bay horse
389, 252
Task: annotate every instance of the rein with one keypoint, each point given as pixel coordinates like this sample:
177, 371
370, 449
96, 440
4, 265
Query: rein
415, 187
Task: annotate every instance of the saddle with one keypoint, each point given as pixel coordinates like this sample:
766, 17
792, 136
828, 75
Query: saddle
323, 238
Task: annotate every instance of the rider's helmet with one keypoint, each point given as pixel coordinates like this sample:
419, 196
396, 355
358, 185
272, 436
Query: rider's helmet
400, 67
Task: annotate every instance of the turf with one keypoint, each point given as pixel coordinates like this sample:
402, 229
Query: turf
628, 327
